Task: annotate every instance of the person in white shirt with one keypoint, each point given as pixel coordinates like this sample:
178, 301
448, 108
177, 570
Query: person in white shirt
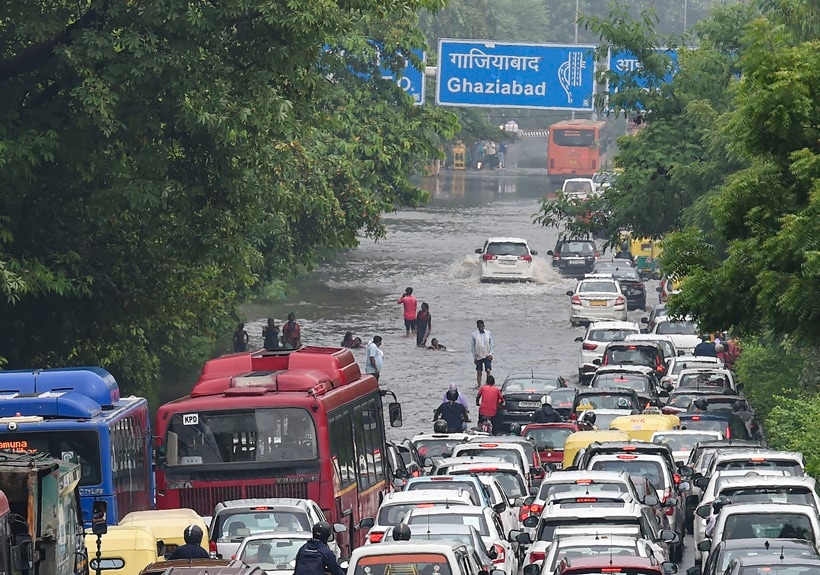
481, 347
374, 359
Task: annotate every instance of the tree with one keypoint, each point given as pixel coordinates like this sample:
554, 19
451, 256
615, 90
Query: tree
161, 159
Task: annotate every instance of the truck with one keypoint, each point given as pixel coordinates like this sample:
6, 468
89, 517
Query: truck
41, 523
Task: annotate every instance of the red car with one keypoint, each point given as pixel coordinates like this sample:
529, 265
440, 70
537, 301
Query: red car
627, 565
549, 439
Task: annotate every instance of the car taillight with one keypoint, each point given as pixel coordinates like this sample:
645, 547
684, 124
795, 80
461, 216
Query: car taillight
376, 536
488, 257
524, 512
676, 478
590, 346
537, 556
536, 509
501, 556
728, 433
620, 300
212, 547
573, 416
525, 258
669, 510
597, 255
575, 300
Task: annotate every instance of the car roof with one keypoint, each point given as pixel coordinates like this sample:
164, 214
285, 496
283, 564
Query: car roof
618, 368
716, 434
441, 495
592, 540
605, 562
613, 325
478, 467
278, 535
650, 337
468, 460
716, 369
744, 508
453, 436
758, 542
753, 452
766, 480
628, 509
774, 561
502, 239
582, 474
462, 510
697, 359
401, 547
280, 502
502, 439
629, 344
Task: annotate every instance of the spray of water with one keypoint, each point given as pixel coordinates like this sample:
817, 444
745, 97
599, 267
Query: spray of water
467, 268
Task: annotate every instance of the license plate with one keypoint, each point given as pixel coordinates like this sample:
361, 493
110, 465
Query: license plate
576, 262
506, 262
598, 302
534, 404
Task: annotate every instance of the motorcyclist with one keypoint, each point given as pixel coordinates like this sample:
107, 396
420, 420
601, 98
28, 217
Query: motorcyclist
623, 253
546, 414
193, 545
315, 557
452, 412
701, 405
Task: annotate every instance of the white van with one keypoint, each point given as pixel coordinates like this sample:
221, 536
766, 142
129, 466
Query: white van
506, 259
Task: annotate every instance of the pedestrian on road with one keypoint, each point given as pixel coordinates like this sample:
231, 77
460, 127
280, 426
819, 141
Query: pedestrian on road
374, 360
488, 399
502, 155
481, 347
408, 300
240, 339
292, 332
706, 348
270, 334
193, 545
424, 325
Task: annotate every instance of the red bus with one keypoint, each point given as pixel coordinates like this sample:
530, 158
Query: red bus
304, 424
576, 148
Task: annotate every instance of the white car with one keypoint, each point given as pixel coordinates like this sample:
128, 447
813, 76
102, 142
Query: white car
683, 440
597, 297
482, 518
414, 557
273, 551
705, 377
506, 259
593, 545
679, 363
579, 188
397, 504
506, 509
594, 341
508, 475
512, 452
683, 333
603, 417
433, 446
582, 482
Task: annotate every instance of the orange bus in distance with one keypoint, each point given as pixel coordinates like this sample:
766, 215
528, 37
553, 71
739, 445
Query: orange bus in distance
576, 148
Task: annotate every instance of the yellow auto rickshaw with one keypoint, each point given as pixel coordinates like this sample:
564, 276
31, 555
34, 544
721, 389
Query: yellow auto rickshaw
583, 439
168, 526
125, 550
640, 427
642, 252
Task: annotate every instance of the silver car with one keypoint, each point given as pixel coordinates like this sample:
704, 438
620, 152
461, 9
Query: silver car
597, 297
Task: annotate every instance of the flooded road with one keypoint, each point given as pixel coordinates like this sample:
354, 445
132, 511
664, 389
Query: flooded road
432, 250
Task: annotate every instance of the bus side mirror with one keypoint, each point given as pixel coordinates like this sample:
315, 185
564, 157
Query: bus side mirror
99, 517
394, 410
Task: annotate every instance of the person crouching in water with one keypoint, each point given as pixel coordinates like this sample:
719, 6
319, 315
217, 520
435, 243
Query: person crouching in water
434, 344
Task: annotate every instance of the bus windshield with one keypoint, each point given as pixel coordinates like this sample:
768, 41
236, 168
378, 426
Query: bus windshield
242, 435
573, 138
82, 447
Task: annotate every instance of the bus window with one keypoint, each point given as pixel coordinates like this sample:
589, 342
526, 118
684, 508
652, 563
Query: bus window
573, 138
252, 435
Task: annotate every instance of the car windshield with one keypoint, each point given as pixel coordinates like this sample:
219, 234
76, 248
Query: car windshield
681, 441
587, 551
580, 248
436, 447
603, 420
607, 335
392, 564
627, 380
546, 530
691, 364
607, 401
463, 538
472, 520
529, 385
235, 525
652, 470
449, 485
623, 273
241, 435
768, 526
724, 404
272, 554
696, 422
507, 249
563, 397
682, 400
597, 287
550, 437
511, 482
631, 355
773, 494
393, 514
581, 488
791, 551
666, 346
789, 466
711, 379
676, 328
576, 187
508, 455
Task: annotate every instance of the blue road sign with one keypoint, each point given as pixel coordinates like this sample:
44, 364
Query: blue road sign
484, 73
411, 79
625, 62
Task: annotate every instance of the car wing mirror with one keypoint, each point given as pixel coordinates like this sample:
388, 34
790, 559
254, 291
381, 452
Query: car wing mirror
705, 545
704, 511
478, 250
532, 569
701, 482
579, 339
570, 292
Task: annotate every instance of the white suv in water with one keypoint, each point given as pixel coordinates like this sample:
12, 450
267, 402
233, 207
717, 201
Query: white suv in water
506, 259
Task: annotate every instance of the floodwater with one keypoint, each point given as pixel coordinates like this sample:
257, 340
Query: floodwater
432, 250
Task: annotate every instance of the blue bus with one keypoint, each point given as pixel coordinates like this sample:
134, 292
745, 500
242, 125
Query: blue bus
77, 414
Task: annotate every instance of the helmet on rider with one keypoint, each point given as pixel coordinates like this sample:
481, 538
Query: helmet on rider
401, 532
546, 400
193, 535
440, 426
322, 531
452, 395
701, 404
516, 429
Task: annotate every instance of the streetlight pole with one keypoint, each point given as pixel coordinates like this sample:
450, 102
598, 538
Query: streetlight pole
577, 15
685, 14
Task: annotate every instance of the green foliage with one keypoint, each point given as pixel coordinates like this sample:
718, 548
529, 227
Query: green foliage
162, 159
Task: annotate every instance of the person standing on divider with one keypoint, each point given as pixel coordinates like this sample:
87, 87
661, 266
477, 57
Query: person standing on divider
481, 347
408, 300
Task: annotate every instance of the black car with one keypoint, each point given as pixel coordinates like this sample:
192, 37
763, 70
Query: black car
574, 258
636, 353
725, 551
522, 397
631, 283
641, 379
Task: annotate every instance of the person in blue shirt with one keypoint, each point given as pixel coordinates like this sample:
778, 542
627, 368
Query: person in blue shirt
315, 557
193, 545
452, 412
706, 347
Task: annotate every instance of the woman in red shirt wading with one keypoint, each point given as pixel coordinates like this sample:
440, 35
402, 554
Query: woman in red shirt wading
488, 399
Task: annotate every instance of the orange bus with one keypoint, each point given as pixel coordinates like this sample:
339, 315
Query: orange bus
305, 424
576, 148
